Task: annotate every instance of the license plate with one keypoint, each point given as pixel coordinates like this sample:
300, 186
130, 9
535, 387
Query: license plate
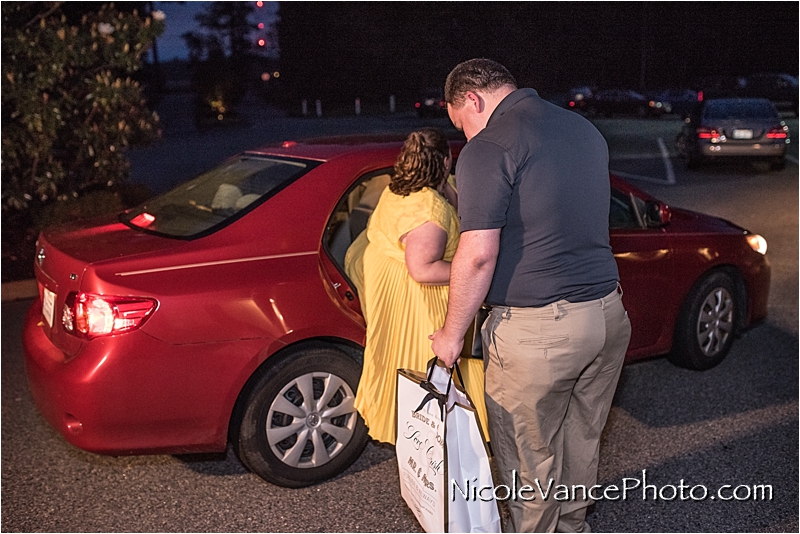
48, 306
743, 134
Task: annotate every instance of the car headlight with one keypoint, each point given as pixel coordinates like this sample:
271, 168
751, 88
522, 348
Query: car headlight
757, 243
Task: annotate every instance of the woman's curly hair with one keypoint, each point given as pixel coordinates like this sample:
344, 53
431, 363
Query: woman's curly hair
421, 162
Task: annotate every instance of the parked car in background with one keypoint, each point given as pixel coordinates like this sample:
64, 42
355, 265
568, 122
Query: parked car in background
579, 98
742, 128
431, 103
611, 102
719, 86
780, 89
219, 312
676, 101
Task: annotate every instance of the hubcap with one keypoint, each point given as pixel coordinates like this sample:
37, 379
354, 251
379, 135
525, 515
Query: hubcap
715, 322
311, 420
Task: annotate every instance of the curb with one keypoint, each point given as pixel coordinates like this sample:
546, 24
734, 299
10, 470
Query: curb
23, 289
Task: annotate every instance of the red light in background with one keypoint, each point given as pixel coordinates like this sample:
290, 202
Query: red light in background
259, 4
776, 133
262, 42
707, 133
260, 25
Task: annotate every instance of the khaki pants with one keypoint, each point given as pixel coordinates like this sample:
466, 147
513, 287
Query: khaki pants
551, 373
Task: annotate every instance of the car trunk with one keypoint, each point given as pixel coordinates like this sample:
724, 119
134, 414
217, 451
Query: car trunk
62, 258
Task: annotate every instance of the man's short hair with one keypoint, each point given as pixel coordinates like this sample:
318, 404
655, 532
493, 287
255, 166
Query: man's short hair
475, 75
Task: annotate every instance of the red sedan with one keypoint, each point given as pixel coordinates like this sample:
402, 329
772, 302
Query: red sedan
220, 312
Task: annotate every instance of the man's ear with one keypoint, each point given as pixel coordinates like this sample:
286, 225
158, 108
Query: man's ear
476, 101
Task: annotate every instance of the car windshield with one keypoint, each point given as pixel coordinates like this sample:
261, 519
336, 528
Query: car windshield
215, 198
739, 109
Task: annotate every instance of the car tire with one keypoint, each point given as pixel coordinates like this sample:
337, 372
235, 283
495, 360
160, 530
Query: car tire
706, 325
693, 161
778, 164
298, 425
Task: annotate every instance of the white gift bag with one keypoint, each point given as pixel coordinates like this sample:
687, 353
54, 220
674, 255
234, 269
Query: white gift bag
442, 455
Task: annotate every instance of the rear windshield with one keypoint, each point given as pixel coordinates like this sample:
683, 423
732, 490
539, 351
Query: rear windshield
217, 197
740, 109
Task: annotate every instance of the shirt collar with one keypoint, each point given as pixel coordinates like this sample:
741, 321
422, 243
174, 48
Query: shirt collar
510, 100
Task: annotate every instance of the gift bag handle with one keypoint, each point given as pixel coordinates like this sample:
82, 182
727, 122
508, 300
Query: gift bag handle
433, 393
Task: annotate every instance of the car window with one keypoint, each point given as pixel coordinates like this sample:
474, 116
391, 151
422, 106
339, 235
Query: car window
622, 213
739, 109
217, 197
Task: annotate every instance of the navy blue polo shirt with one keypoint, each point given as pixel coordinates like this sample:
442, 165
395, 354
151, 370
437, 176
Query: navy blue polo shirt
540, 173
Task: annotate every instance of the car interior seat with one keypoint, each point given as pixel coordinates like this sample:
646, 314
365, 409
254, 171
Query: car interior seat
365, 205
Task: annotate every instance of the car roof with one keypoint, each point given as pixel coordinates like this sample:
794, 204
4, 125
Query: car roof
327, 148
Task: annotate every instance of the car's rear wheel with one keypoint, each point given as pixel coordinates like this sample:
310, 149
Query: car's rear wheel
778, 164
299, 425
706, 326
694, 161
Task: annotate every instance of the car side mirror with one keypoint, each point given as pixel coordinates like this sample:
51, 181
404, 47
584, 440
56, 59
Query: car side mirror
657, 214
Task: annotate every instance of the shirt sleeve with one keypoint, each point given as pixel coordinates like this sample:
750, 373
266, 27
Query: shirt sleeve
485, 173
422, 207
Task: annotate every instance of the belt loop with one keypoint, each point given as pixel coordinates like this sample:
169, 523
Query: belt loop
619, 290
556, 311
506, 313
603, 303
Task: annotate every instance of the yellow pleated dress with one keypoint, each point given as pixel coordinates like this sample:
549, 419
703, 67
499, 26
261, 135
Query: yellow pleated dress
401, 313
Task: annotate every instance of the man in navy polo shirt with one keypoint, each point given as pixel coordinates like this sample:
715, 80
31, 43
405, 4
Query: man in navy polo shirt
534, 197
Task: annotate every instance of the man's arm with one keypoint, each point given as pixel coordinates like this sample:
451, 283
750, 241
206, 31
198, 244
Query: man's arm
470, 277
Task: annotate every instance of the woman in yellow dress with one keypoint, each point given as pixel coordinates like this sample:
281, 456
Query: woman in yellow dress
401, 268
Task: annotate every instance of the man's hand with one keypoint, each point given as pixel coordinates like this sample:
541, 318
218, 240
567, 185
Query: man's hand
470, 278
447, 350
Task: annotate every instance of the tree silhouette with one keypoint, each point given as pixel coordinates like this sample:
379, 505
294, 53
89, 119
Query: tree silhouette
221, 59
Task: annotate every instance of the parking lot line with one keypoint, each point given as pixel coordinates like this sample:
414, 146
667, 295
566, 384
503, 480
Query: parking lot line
667, 161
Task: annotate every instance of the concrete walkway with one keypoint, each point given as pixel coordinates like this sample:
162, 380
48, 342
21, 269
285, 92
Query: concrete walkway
23, 289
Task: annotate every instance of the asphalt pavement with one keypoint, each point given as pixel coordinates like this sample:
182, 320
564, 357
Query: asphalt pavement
734, 427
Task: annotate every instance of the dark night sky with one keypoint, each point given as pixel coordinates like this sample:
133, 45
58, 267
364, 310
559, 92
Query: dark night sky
548, 45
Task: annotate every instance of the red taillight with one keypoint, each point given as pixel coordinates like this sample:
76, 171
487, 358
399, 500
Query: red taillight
572, 103
699, 96
417, 104
707, 133
778, 132
90, 315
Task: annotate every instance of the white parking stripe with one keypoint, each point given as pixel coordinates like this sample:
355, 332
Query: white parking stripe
667, 161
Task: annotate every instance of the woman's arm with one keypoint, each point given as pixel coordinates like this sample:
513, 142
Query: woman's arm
425, 246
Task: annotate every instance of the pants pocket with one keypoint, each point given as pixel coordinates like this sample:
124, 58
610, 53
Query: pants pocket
544, 341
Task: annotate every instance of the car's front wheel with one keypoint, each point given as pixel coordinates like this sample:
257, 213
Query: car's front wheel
299, 425
706, 326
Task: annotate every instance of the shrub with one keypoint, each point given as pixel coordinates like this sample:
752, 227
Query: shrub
70, 105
